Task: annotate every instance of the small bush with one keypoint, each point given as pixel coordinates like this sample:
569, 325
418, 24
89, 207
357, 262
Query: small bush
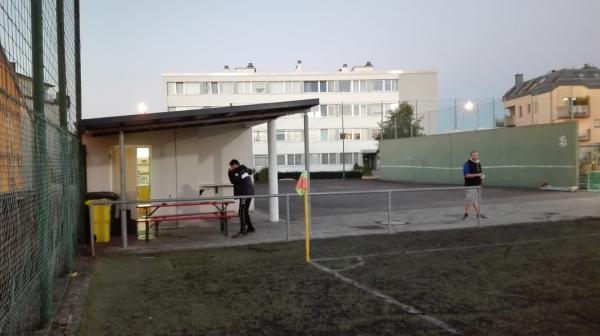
263, 175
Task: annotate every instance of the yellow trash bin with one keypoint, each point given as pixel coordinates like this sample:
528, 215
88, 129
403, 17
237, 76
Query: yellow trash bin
101, 217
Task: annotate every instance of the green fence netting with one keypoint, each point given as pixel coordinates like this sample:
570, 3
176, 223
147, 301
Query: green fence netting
40, 162
594, 181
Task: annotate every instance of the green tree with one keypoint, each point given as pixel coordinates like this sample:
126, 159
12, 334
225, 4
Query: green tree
399, 123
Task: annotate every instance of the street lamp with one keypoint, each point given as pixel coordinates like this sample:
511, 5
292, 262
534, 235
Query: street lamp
468, 108
142, 108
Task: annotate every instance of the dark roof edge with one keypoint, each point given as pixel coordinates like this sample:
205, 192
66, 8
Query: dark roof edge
290, 104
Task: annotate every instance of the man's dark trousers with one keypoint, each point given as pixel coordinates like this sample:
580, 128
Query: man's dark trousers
243, 213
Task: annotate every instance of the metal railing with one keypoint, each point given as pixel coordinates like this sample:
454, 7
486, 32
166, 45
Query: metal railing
389, 193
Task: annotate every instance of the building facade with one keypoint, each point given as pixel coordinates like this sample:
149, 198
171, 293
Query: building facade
343, 129
560, 96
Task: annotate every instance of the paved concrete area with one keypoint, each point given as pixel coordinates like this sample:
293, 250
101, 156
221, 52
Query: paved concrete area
337, 215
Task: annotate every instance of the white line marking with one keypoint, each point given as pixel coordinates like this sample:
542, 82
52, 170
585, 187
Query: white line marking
484, 167
407, 308
457, 248
360, 262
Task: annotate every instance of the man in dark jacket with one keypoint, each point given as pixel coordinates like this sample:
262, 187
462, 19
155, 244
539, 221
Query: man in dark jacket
241, 178
473, 177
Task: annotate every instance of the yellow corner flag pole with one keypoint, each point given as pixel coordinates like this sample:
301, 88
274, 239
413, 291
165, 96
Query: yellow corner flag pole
306, 229
302, 189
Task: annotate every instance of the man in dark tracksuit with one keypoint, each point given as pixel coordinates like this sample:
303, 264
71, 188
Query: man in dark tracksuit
241, 178
473, 177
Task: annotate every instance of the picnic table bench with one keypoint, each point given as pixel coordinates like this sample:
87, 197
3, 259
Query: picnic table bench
150, 217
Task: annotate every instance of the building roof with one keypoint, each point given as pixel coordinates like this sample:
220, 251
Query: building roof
251, 114
587, 76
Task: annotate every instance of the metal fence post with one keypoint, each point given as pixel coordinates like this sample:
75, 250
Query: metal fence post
389, 211
92, 243
287, 214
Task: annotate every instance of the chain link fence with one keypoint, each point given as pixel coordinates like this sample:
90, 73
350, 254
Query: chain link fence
41, 183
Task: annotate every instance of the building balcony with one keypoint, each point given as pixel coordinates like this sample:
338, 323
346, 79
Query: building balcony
579, 111
509, 121
586, 135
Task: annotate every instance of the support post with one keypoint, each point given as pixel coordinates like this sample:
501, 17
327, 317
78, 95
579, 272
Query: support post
343, 145
455, 116
41, 159
287, 215
306, 195
123, 188
92, 241
494, 112
273, 187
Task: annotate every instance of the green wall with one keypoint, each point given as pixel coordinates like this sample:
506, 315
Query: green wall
512, 157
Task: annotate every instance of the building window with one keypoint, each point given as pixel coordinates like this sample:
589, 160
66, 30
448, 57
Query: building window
323, 86
276, 88
347, 110
323, 110
175, 88
374, 110
281, 160
345, 86
331, 86
528, 108
314, 134
261, 160
293, 87
191, 88
214, 87
315, 159
395, 85
311, 86
324, 134
333, 134
292, 135
226, 88
347, 158
520, 111
356, 134
259, 136
333, 110
171, 88
356, 158
243, 88
376, 85
280, 135
346, 134
294, 159
324, 159
260, 87
333, 158
596, 123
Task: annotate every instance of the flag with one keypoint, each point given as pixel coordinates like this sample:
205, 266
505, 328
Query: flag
301, 185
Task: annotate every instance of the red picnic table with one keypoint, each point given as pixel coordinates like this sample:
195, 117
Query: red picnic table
150, 218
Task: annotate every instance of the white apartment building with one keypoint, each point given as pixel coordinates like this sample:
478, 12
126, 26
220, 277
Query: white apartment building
343, 129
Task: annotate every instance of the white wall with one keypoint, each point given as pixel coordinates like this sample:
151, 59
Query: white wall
181, 160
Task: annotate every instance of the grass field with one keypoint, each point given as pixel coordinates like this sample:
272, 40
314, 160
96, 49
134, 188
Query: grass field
536, 279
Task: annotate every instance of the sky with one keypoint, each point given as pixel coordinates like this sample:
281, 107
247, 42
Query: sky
476, 46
